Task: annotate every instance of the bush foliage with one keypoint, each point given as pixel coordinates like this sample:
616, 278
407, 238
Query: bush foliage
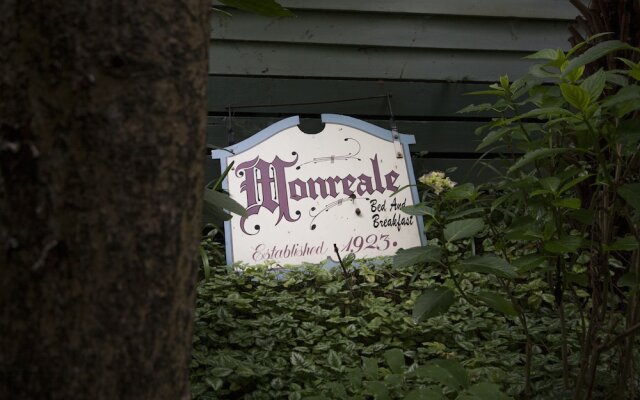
529, 285
304, 334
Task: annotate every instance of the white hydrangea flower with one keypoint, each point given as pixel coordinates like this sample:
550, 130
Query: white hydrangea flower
437, 181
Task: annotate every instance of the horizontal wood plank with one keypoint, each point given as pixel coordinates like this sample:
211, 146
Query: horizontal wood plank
277, 59
431, 136
465, 170
428, 100
394, 30
540, 9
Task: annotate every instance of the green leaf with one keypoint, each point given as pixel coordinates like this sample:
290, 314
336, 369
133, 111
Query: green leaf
334, 360
494, 136
370, 368
488, 92
524, 229
277, 383
349, 259
223, 201
529, 262
572, 183
446, 372
578, 279
628, 132
220, 372
566, 244
594, 85
416, 255
245, 371
465, 191
590, 39
574, 75
594, 53
432, 302
419, 209
546, 54
438, 374
546, 112
268, 8
616, 79
551, 183
476, 108
378, 390
626, 94
571, 203
487, 391
453, 367
218, 183
627, 243
462, 229
537, 154
296, 359
539, 71
488, 264
504, 82
212, 213
425, 394
629, 280
215, 384
465, 213
634, 68
497, 302
393, 380
395, 360
576, 96
631, 194
586, 217
205, 262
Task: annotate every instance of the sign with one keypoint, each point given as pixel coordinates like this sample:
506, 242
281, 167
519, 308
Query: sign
306, 192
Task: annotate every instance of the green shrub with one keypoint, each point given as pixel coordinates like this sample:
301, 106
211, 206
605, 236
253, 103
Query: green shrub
301, 333
565, 216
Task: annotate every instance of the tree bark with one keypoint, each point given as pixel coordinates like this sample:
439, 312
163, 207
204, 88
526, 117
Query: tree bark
102, 118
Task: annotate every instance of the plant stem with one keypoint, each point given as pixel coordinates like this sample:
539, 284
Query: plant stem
347, 277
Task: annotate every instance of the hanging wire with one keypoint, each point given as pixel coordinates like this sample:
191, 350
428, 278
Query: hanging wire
392, 118
311, 103
230, 108
231, 139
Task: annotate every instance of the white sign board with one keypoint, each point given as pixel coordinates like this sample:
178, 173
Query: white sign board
306, 192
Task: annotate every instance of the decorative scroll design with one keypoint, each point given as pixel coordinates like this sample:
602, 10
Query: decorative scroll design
333, 158
333, 204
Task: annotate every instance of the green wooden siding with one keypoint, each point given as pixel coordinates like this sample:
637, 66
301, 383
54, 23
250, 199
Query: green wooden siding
395, 30
529, 9
426, 54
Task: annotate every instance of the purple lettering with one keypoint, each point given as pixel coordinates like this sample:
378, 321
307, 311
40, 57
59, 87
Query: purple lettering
332, 181
347, 182
298, 189
266, 186
365, 185
391, 178
259, 177
312, 188
376, 174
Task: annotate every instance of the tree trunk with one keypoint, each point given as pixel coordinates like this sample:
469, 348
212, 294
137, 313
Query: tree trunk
102, 118
619, 17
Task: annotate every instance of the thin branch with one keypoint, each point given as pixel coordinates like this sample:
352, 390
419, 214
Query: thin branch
347, 277
629, 332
